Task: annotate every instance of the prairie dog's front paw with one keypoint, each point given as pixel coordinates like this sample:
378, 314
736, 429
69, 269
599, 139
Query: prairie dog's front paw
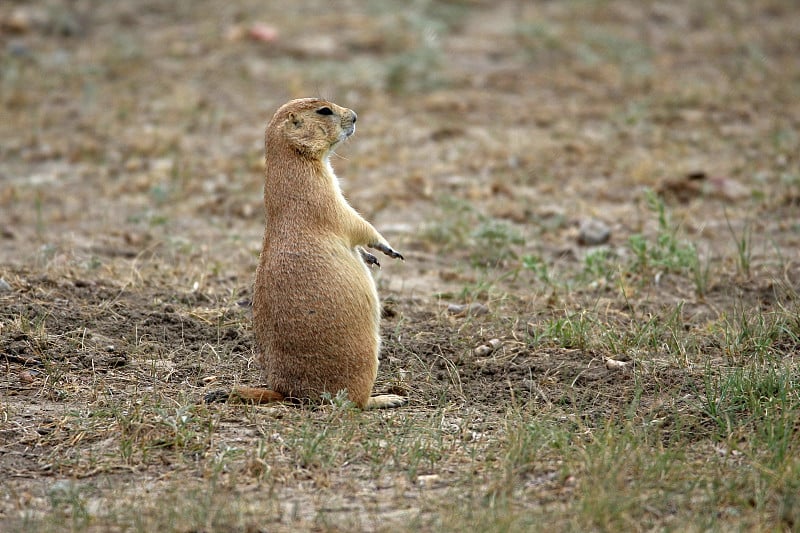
388, 250
368, 258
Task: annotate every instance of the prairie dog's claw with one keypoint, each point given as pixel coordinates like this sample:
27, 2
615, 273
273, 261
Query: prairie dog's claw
388, 250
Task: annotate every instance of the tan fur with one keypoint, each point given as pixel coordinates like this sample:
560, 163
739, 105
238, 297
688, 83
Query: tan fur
316, 312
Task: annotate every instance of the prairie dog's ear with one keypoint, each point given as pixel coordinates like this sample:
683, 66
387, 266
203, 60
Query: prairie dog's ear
295, 119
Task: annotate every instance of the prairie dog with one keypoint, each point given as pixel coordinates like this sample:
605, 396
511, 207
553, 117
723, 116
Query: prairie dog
316, 313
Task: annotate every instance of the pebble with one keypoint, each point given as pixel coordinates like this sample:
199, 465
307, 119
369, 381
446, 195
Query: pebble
593, 232
4, 286
473, 309
428, 481
615, 364
483, 350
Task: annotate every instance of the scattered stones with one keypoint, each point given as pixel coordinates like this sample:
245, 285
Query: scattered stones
489, 347
593, 232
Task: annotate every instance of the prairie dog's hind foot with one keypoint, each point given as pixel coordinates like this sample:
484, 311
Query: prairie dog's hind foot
215, 396
244, 395
387, 250
385, 401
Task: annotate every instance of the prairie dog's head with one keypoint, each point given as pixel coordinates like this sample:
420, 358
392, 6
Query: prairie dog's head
311, 126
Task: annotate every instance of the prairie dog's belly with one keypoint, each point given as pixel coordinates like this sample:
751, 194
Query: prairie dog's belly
316, 320
319, 298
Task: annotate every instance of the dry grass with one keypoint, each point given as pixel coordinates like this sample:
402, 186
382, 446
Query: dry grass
130, 223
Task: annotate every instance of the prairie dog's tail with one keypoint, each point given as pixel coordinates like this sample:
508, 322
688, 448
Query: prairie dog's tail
244, 394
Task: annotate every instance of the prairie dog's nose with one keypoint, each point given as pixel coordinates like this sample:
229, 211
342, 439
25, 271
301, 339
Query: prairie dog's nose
355, 117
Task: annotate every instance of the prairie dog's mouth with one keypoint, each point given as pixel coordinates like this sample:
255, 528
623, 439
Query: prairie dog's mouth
348, 131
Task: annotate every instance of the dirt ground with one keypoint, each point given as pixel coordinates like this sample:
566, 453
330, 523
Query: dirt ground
491, 135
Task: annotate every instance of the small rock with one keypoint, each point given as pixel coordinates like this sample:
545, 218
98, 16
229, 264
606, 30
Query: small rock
428, 480
483, 350
614, 364
473, 309
4, 286
593, 232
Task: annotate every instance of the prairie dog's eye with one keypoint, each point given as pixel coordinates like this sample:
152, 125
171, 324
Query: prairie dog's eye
325, 111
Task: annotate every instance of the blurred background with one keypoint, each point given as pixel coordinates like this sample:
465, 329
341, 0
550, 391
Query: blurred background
597, 319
